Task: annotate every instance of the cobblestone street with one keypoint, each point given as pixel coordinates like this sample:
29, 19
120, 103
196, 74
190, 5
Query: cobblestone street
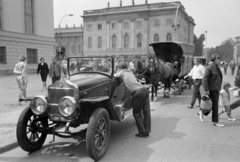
9, 108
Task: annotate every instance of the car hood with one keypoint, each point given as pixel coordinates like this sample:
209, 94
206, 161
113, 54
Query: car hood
89, 80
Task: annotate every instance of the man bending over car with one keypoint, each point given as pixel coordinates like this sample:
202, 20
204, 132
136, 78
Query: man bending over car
140, 98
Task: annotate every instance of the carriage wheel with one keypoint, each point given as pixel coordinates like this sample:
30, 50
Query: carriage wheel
181, 87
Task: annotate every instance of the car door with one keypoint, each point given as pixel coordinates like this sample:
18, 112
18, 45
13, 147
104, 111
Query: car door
121, 93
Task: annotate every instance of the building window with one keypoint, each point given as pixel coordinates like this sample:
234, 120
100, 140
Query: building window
156, 23
139, 40
114, 25
99, 42
169, 37
156, 38
90, 42
169, 22
89, 28
126, 41
32, 56
114, 41
99, 27
79, 48
126, 25
29, 16
139, 24
3, 57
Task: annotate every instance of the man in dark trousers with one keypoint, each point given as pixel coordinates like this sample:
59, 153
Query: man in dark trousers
196, 74
141, 104
212, 81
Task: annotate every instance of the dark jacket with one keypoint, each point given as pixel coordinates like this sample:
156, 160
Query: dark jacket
212, 79
237, 78
43, 69
57, 70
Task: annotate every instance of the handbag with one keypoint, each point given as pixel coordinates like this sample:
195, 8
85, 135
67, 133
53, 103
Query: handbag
206, 103
236, 93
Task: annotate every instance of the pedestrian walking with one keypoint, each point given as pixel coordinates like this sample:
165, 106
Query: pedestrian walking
232, 66
212, 81
21, 71
44, 71
224, 93
196, 74
225, 66
236, 104
55, 70
140, 100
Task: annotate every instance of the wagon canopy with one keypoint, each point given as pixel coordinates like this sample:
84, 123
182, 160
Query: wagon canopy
170, 51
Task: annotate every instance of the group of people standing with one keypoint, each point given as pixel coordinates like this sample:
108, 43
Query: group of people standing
56, 71
231, 64
211, 79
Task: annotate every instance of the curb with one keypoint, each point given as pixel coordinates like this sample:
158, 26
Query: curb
8, 145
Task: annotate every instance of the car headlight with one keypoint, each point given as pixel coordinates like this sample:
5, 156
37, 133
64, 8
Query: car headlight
67, 106
39, 105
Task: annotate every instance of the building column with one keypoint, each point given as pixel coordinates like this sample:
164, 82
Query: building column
145, 36
120, 34
133, 33
108, 34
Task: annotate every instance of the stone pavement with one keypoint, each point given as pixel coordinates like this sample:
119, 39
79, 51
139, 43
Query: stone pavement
9, 108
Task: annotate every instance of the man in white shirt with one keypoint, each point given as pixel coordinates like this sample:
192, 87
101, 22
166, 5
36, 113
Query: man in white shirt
140, 100
197, 74
131, 65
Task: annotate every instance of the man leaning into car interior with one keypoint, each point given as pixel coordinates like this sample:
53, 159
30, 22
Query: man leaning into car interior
140, 100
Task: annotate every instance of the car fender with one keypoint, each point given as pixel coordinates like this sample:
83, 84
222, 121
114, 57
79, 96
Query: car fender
105, 102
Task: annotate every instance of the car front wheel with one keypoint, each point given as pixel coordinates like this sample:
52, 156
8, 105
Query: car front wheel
98, 134
29, 139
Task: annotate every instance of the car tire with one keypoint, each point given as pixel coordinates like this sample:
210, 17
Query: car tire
98, 134
30, 141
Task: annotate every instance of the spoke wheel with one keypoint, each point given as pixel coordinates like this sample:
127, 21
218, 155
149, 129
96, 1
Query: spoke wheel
98, 134
29, 139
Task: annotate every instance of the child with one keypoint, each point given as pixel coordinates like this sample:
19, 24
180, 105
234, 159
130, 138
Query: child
224, 93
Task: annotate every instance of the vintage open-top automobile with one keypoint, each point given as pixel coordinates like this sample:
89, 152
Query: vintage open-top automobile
91, 95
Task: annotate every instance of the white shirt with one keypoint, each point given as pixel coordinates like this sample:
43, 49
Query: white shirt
129, 79
131, 66
197, 72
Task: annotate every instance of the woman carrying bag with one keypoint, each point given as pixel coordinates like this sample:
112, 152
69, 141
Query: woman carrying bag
212, 81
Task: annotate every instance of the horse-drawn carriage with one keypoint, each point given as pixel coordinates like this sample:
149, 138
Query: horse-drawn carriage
180, 56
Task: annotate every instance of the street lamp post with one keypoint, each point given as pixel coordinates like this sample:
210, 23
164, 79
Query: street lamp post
62, 19
206, 44
59, 26
176, 26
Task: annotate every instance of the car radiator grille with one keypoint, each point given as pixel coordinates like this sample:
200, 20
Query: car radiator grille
54, 96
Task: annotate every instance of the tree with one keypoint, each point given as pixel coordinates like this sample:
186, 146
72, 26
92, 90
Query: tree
198, 42
225, 51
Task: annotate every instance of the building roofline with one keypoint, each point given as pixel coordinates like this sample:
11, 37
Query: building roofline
105, 11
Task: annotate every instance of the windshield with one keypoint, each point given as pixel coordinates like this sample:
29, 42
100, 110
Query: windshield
90, 64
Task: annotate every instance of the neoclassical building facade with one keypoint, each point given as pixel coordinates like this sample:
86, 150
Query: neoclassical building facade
129, 30
71, 38
26, 27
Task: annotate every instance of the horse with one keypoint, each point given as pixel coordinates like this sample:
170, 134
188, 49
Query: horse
141, 72
160, 71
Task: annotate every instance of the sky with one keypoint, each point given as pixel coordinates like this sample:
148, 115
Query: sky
220, 18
